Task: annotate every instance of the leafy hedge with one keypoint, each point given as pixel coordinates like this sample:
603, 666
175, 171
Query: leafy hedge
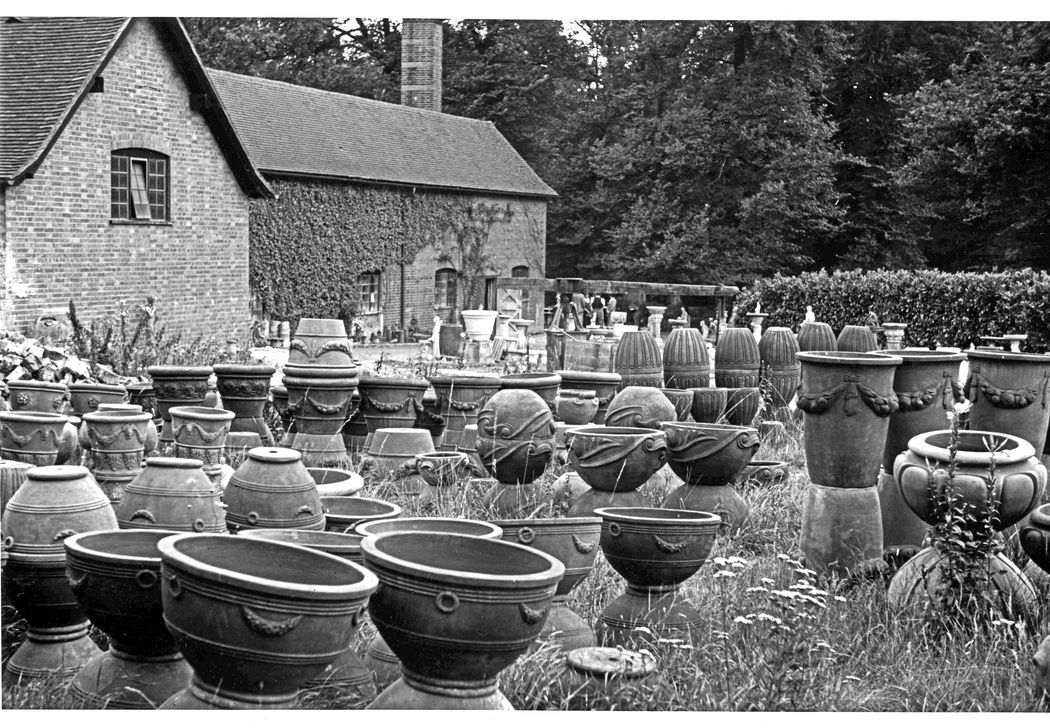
949, 309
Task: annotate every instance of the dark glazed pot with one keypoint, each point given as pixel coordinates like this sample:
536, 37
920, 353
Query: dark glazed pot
172, 494
244, 389
459, 400
31, 437
174, 387
856, 339
256, 619
638, 360
709, 405
605, 384
1010, 394
737, 361
273, 489
686, 363
779, 353
643, 407
33, 396
1035, 537
342, 513
456, 610
816, 336
85, 397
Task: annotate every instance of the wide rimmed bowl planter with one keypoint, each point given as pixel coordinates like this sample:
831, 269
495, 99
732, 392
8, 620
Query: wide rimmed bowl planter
1035, 537
638, 360
614, 462
85, 397
175, 386
1010, 392
273, 489
643, 407
117, 445
738, 362
256, 619
52, 504
460, 398
456, 610
244, 389
515, 444
319, 404
573, 542
172, 494
681, 400
544, 384
576, 406
604, 384
654, 550
115, 576
28, 395
686, 363
710, 404
343, 513
320, 343
391, 402
31, 437
478, 323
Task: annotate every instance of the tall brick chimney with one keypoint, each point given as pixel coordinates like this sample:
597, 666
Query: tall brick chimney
421, 63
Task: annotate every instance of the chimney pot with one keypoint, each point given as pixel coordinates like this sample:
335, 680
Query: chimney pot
421, 63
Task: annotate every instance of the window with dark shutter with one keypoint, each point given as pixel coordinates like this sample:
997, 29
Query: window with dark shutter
139, 181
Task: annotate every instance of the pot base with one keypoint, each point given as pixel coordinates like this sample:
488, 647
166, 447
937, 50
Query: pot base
49, 651
592, 499
321, 450
722, 500
347, 676
509, 500
841, 528
382, 661
900, 526
199, 696
413, 693
117, 680
253, 424
566, 629
663, 613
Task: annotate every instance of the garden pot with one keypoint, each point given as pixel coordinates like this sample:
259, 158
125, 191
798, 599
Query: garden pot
333, 481
765, 472
152, 435
614, 461
576, 406
355, 429
175, 387
53, 503
681, 400
200, 434
654, 550
85, 397
847, 399
742, 405
638, 360
1010, 394
644, 407
118, 445
256, 619
342, 513
778, 351
172, 494
430, 419
604, 384
142, 394
479, 324
459, 399
31, 437
1035, 537
237, 446
737, 361
1018, 487
453, 618
573, 542
320, 343
515, 436
441, 473
450, 340
244, 389
391, 455
685, 360
391, 402
279, 397
273, 489
32, 396
841, 529
816, 336
709, 404
856, 339
319, 405
544, 384
468, 445
116, 578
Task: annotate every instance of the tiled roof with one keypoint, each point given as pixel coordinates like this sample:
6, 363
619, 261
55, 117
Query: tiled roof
304, 131
44, 65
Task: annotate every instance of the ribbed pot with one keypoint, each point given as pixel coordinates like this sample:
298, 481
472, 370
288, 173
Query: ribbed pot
1010, 394
847, 399
31, 437
681, 400
117, 442
273, 489
391, 402
544, 384
644, 407
638, 360
459, 400
342, 513
710, 404
175, 387
576, 406
737, 361
32, 396
258, 619
172, 494
85, 397
616, 459
456, 526
816, 336
320, 343
244, 389
1035, 537
200, 433
605, 385
779, 353
453, 619
515, 436
742, 405
12, 475
857, 339
1018, 487
686, 363
152, 436
707, 454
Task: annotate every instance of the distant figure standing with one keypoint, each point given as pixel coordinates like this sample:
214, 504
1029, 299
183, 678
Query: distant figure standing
610, 307
810, 316
598, 310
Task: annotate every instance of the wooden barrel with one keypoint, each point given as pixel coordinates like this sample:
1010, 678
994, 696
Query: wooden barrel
816, 336
857, 339
638, 360
589, 356
737, 361
779, 353
685, 360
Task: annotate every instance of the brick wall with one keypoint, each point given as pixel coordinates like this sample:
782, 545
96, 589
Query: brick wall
60, 243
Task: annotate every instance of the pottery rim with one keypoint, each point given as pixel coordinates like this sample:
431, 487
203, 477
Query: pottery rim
849, 358
429, 524
1019, 450
653, 516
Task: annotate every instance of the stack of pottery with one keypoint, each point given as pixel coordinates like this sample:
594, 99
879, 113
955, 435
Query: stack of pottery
614, 462
391, 454
515, 443
391, 402
856, 339
710, 404
343, 513
459, 399
172, 494
1010, 392
847, 399
779, 353
685, 360
244, 389
927, 388
816, 336
116, 578
200, 434
117, 443
46, 398
454, 622
320, 378
175, 387
152, 436
32, 437
638, 360
737, 360
256, 619
655, 550
709, 458
273, 489
604, 384
53, 503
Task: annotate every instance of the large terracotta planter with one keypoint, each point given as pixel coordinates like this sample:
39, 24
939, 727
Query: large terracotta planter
31, 437
544, 384
391, 402
200, 433
742, 405
244, 389
576, 406
604, 384
515, 443
116, 578
737, 360
279, 397
1035, 537
644, 407
273, 489
459, 400
709, 404
779, 353
841, 529
681, 400
175, 387
53, 503
478, 324
142, 394
256, 619
654, 550
686, 363
816, 336
455, 622
342, 513
638, 360
1010, 394
85, 397
614, 462
856, 339
319, 403
32, 396
320, 343
118, 444
172, 494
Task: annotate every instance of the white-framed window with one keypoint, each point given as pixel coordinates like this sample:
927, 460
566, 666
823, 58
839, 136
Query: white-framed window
368, 284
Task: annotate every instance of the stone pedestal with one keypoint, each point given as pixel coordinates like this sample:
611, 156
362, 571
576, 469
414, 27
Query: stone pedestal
900, 526
656, 316
894, 336
841, 528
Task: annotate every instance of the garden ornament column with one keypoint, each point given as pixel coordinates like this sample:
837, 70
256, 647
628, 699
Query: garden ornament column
656, 316
894, 336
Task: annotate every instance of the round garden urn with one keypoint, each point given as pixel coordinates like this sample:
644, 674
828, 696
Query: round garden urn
544, 384
710, 404
654, 550
456, 610
816, 336
321, 344
53, 503
644, 407
319, 400
742, 405
737, 360
116, 578
857, 339
638, 360
443, 475
576, 406
1010, 393
343, 513
614, 462
708, 458
273, 489
604, 384
174, 387
515, 443
31, 396
31, 437
85, 397
172, 494
573, 542
685, 360
244, 389
1035, 537
256, 619
460, 398
200, 433
778, 351
681, 400
117, 442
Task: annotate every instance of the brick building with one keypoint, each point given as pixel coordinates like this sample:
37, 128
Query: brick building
121, 176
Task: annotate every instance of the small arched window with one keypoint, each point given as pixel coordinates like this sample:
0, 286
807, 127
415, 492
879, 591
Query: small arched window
445, 288
139, 182
519, 271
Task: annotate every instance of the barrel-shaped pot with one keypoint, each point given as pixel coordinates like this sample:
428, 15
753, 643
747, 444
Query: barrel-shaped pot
458, 609
737, 360
681, 400
320, 343
457, 526
172, 494
174, 386
319, 404
244, 389
709, 454
616, 459
31, 437
638, 360
28, 395
544, 384
85, 397
1010, 392
816, 336
576, 406
742, 405
644, 407
856, 339
200, 433
572, 541
686, 362
515, 436
778, 350
342, 513
117, 442
1035, 537
459, 400
710, 403
273, 489
656, 547
259, 617
604, 384
1017, 488
847, 399
389, 402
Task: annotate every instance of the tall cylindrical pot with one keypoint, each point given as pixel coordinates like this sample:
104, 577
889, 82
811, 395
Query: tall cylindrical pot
638, 360
1010, 392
